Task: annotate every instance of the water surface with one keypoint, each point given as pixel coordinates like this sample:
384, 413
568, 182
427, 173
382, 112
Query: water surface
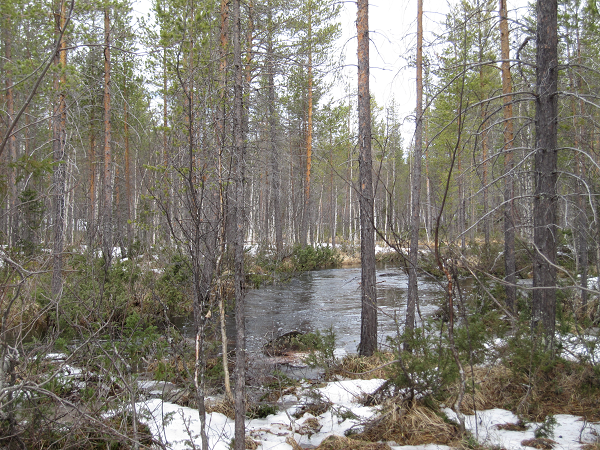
322, 299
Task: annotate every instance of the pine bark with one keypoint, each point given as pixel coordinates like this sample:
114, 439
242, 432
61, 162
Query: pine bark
92, 174
581, 222
221, 122
413, 291
128, 190
275, 170
309, 137
239, 150
12, 140
508, 208
108, 169
484, 130
368, 336
165, 149
58, 148
546, 157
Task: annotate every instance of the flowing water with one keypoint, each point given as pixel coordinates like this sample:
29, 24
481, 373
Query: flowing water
324, 299
327, 299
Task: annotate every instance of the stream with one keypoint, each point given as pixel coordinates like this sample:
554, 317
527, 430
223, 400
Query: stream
329, 298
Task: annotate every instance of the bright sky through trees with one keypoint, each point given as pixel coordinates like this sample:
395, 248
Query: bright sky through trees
393, 41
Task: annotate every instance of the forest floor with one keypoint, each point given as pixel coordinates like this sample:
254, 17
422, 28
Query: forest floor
320, 415
346, 413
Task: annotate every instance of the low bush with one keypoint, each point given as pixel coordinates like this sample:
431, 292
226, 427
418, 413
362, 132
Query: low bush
310, 258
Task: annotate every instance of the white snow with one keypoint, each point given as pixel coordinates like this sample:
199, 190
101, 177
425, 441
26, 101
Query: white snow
176, 426
580, 348
384, 249
570, 431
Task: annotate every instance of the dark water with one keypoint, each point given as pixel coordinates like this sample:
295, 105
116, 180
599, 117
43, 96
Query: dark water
322, 299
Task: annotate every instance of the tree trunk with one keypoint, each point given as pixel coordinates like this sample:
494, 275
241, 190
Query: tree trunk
165, 149
461, 198
221, 122
275, 170
12, 140
239, 150
107, 180
58, 147
581, 224
509, 216
546, 155
309, 126
413, 291
92, 170
128, 193
368, 336
581, 231
484, 165
332, 203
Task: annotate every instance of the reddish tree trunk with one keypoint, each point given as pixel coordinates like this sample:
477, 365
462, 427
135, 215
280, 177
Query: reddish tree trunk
368, 335
107, 179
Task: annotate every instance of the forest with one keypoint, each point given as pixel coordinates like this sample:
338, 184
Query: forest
162, 165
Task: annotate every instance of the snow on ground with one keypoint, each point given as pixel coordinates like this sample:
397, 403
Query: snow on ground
592, 282
384, 249
177, 426
570, 431
582, 347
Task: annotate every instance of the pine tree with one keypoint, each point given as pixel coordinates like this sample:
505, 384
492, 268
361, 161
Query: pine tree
368, 335
546, 157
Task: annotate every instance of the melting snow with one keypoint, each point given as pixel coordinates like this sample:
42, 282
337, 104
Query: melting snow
176, 426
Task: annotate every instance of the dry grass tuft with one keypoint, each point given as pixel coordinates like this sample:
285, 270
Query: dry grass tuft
517, 426
354, 366
224, 406
344, 443
292, 442
490, 387
315, 408
310, 426
541, 443
568, 388
250, 443
411, 424
595, 446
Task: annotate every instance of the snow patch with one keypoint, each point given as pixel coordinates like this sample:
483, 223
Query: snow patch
569, 434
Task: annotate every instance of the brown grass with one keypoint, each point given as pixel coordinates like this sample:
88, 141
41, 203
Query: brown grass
595, 446
541, 443
517, 426
354, 366
410, 424
224, 406
349, 260
495, 387
344, 443
314, 408
568, 388
250, 443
